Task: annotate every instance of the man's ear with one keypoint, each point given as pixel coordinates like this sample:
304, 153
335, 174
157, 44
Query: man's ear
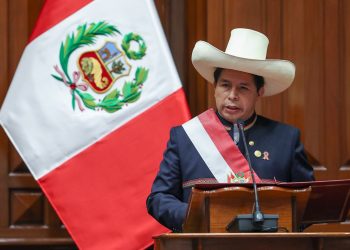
261, 91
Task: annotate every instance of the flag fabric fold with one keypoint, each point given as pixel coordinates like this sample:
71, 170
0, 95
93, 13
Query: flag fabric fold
89, 111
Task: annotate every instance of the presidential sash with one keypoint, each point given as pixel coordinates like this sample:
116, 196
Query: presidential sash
217, 149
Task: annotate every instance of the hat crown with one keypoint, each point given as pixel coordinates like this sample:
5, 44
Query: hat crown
246, 43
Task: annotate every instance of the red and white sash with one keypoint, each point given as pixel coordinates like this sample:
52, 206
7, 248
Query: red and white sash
217, 149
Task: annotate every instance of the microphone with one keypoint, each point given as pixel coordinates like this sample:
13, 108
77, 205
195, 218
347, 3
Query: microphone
254, 222
258, 216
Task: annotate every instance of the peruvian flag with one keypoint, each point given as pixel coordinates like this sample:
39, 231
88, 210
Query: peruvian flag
89, 111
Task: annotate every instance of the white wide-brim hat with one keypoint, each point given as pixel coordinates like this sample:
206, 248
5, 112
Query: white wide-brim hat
245, 51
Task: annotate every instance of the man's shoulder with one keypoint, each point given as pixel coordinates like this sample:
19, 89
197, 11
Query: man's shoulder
178, 132
268, 123
177, 128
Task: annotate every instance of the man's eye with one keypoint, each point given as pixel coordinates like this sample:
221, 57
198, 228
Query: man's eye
224, 84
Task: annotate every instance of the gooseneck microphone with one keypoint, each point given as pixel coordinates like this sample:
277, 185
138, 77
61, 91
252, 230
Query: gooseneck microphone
258, 216
257, 221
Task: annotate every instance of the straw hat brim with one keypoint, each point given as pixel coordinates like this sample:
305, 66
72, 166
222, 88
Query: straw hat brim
278, 74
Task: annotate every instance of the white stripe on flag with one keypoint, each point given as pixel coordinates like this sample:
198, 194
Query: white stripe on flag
37, 113
207, 150
96, 168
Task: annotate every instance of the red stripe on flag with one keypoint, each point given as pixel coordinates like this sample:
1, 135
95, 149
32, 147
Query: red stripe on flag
101, 193
224, 143
53, 12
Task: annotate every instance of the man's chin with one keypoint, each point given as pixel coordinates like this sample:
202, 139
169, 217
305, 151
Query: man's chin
231, 118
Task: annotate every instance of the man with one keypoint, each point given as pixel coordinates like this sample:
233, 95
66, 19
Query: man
209, 148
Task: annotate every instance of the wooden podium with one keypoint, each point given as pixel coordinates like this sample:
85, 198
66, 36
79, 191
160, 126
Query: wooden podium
212, 207
210, 211
256, 241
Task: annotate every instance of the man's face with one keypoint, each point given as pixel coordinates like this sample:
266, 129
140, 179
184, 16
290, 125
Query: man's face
236, 95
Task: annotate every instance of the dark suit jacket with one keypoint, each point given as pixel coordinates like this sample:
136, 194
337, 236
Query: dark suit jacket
182, 166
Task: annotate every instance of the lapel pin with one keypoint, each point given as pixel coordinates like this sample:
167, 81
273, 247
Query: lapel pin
257, 153
266, 156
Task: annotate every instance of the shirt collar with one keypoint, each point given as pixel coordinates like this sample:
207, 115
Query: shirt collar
247, 123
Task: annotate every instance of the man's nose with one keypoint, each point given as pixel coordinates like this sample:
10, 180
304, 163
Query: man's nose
233, 95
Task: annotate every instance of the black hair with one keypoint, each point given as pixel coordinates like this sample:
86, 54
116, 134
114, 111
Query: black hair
258, 80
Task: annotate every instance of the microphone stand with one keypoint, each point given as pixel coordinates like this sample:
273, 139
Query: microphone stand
257, 221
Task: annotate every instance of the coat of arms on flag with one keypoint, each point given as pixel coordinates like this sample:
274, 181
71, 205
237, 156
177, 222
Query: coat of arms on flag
101, 68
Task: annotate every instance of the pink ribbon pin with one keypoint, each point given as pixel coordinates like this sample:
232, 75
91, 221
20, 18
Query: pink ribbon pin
266, 156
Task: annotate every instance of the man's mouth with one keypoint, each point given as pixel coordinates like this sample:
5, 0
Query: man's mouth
232, 108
